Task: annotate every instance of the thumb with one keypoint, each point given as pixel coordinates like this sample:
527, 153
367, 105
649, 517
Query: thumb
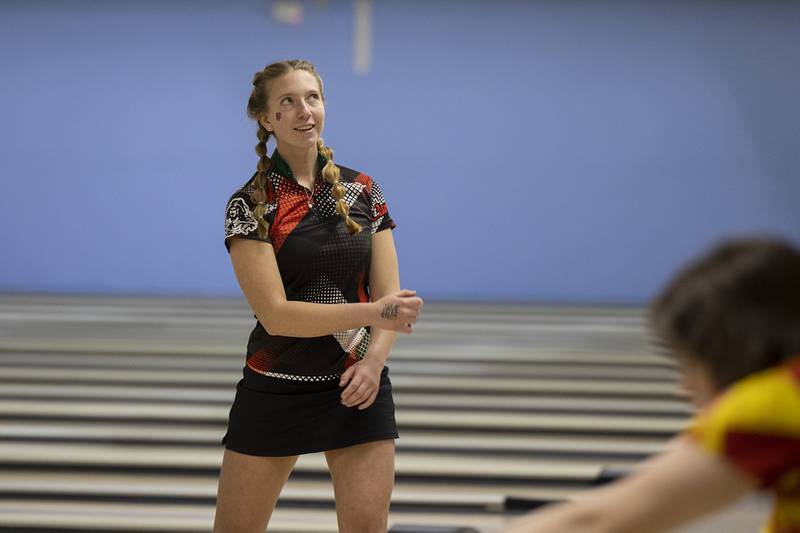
406, 293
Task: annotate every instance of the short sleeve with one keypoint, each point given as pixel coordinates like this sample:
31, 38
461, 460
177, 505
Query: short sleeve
755, 426
239, 220
381, 219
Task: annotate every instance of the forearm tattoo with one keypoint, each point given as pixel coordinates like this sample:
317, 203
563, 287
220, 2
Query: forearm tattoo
390, 311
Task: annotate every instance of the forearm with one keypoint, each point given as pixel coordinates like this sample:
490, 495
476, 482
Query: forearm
380, 345
575, 517
258, 275
384, 279
303, 319
675, 487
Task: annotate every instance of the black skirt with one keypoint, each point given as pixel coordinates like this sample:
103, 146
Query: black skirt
278, 417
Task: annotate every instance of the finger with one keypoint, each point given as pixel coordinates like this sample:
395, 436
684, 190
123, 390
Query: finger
361, 394
404, 315
397, 325
346, 376
369, 401
348, 392
409, 319
414, 303
405, 293
357, 385
363, 397
411, 307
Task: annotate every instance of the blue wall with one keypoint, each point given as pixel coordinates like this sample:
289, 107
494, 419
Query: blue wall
560, 151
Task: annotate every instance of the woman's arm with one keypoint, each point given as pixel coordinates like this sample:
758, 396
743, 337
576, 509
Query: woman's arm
384, 279
362, 380
682, 484
258, 275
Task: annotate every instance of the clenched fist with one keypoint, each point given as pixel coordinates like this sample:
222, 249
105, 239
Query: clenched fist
397, 311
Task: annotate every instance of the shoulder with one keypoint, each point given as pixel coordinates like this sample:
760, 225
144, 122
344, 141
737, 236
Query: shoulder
348, 175
756, 423
239, 219
244, 191
363, 181
241, 196
358, 183
769, 399
239, 211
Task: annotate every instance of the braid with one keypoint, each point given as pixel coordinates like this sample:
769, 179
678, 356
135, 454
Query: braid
331, 174
257, 109
259, 195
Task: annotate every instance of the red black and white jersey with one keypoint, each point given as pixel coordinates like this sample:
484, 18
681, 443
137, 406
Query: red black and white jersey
319, 261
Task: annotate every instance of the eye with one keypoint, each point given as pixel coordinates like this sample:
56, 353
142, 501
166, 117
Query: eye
313, 96
286, 100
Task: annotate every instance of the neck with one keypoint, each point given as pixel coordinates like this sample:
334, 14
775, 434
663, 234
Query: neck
303, 163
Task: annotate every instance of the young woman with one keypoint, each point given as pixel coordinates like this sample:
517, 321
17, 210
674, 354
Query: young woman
308, 242
732, 320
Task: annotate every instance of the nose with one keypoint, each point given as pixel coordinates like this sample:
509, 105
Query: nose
303, 109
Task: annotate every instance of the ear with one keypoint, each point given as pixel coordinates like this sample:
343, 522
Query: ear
265, 123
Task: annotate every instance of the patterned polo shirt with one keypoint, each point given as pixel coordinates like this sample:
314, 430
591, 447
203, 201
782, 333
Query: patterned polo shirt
755, 426
319, 262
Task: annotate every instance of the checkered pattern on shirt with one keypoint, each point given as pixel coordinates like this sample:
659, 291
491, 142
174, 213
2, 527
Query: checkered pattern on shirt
319, 262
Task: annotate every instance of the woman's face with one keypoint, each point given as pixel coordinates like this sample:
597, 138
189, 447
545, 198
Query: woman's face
696, 381
295, 110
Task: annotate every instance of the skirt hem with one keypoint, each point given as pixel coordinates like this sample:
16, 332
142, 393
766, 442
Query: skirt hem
308, 449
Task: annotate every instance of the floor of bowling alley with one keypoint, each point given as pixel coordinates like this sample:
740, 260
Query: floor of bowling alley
112, 410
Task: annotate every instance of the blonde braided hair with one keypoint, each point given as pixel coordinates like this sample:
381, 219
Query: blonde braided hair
256, 109
331, 173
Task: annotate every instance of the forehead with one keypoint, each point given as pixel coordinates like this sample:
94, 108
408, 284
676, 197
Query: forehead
294, 82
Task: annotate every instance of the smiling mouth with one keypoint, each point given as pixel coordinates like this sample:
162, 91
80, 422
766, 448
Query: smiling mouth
305, 128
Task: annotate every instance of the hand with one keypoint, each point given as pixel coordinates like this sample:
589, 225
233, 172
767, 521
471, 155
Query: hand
361, 382
398, 311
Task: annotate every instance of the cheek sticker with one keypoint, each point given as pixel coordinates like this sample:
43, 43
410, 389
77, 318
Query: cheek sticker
278, 116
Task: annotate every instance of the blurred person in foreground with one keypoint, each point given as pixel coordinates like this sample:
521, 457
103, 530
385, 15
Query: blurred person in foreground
731, 319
